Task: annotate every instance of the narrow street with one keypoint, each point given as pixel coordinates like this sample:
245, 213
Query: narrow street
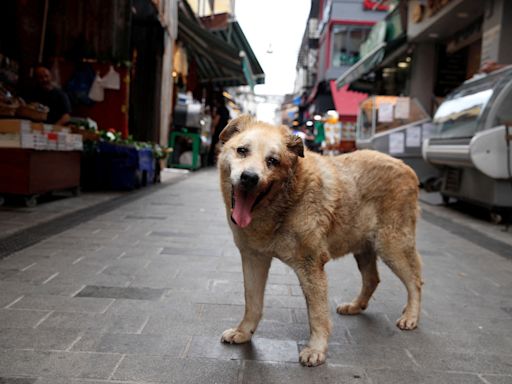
142, 293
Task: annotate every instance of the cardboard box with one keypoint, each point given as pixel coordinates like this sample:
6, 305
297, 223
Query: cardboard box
16, 126
40, 141
10, 140
28, 140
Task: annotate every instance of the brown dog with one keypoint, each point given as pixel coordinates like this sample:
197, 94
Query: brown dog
305, 209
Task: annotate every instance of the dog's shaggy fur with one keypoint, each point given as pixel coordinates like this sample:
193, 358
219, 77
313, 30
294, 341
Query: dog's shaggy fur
306, 209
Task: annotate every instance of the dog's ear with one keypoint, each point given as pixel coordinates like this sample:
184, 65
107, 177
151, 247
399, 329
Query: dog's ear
235, 126
296, 145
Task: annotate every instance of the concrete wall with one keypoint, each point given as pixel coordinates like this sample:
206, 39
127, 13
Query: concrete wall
423, 74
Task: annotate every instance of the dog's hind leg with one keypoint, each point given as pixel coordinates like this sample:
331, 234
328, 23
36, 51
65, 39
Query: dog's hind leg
367, 264
403, 259
255, 268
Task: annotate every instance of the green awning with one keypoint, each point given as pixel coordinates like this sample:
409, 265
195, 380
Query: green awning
217, 61
363, 66
232, 34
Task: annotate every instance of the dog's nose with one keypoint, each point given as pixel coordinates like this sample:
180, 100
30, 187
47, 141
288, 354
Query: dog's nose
249, 179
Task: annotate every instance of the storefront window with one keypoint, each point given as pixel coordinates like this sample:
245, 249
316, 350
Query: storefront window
347, 41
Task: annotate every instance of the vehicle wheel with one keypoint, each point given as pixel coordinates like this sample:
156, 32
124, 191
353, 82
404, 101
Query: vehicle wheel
76, 191
496, 217
30, 201
446, 199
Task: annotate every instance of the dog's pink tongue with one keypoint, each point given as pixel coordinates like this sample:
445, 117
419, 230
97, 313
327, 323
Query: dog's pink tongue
243, 206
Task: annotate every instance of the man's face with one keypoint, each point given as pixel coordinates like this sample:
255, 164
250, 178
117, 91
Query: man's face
43, 78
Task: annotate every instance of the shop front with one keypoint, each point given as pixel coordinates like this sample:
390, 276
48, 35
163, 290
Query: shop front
85, 58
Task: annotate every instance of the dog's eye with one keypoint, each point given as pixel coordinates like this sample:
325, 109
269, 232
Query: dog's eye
242, 151
272, 162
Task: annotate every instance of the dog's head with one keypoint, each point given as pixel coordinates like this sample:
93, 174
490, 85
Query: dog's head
256, 159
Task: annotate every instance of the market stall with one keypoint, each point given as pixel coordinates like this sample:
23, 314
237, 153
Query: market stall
471, 146
396, 126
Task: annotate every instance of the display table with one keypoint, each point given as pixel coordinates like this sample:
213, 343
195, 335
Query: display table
30, 172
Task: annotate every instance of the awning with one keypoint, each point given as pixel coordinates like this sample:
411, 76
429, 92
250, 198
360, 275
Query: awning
232, 34
217, 61
363, 66
345, 101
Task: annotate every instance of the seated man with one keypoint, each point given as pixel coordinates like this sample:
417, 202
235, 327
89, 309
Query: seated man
46, 92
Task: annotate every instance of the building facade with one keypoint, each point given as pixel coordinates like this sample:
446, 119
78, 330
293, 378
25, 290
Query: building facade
330, 46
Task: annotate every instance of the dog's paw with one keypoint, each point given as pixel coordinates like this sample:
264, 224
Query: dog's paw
407, 322
235, 336
310, 357
349, 309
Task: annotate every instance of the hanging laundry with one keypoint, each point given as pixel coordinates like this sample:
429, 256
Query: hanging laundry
112, 80
97, 93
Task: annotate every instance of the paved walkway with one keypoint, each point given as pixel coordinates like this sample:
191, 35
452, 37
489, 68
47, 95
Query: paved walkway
142, 293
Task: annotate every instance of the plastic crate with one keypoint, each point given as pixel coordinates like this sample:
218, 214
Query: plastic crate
118, 167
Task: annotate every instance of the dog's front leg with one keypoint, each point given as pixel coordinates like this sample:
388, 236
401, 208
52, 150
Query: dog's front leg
314, 285
255, 268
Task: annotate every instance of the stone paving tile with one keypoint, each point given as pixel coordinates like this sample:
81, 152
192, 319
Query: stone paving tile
38, 339
172, 346
134, 293
11, 318
369, 356
256, 372
214, 312
96, 322
7, 272
6, 298
179, 371
497, 379
63, 304
19, 380
386, 376
257, 349
463, 361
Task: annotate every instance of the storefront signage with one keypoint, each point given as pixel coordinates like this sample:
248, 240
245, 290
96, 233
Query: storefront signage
413, 138
385, 113
427, 8
402, 108
396, 143
372, 5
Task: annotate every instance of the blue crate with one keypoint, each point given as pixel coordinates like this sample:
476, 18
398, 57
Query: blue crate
123, 167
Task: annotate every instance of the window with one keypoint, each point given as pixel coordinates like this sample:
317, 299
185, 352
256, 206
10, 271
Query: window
347, 40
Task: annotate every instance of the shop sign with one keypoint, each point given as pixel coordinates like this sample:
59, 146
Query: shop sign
396, 143
372, 5
413, 138
427, 8
402, 108
385, 113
